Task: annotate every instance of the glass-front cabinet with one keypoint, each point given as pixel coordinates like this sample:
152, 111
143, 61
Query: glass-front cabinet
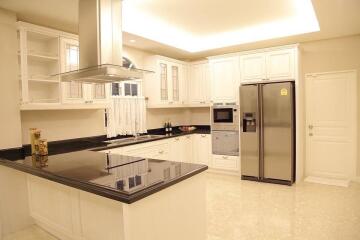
167, 87
77, 92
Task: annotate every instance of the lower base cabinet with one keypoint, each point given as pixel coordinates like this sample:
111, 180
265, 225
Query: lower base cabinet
181, 149
202, 149
194, 148
222, 162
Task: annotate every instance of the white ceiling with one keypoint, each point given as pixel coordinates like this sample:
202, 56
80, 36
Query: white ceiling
204, 17
200, 18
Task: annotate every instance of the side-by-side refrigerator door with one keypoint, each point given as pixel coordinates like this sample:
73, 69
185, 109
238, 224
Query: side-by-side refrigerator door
278, 131
249, 132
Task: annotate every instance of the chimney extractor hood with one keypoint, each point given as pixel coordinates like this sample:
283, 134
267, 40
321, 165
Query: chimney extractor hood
100, 41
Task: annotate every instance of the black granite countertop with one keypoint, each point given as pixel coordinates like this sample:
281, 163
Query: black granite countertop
122, 178
161, 135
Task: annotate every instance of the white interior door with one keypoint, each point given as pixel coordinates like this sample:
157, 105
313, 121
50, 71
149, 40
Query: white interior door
331, 113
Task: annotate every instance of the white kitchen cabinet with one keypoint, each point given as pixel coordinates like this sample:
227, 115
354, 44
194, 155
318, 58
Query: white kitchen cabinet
225, 79
72, 92
194, 148
181, 148
43, 54
39, 61
199, 84
268, 65
202, 149
280, 64
228, 163
155, 150
77, 92
252, 67
167, 86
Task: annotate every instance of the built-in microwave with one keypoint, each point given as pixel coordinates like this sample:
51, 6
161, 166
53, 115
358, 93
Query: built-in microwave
225, 117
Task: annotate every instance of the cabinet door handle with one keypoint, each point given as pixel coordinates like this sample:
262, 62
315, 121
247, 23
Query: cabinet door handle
203, 135
225, 157
177, 139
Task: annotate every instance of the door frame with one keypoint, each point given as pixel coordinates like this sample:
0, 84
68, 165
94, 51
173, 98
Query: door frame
353, 112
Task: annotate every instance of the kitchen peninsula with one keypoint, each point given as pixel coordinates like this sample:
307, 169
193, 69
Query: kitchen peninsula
95, 195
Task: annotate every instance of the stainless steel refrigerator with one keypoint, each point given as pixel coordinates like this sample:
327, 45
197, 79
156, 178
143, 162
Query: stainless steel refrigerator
267, 122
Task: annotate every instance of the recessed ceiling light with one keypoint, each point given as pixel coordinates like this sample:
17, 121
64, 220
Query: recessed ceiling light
132, 40
303, 20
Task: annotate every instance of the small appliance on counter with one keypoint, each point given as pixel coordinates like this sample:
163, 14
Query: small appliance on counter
225, 129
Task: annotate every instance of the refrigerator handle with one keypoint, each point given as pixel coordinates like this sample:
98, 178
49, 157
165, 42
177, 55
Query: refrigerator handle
261, 132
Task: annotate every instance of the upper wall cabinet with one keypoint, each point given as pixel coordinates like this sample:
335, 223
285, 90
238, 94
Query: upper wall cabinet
43, 54
199, 84
167, 86
268, 65
225, 79
280, 65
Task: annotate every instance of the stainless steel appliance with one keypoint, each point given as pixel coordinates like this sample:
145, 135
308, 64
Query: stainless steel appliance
225, 117
225, 143
100, 39
225, 129
267, 132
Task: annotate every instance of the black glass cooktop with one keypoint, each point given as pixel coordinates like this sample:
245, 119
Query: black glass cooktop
124, 174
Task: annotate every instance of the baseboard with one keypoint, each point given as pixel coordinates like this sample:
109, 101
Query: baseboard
328, 181
223, 172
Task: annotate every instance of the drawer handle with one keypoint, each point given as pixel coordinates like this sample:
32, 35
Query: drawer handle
177, 139
203, 135
161, 152
225, 157
188, 137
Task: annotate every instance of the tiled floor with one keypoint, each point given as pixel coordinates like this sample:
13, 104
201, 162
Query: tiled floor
31, 233
242, 210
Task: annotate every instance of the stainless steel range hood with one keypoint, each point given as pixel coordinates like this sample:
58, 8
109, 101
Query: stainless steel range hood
100, 40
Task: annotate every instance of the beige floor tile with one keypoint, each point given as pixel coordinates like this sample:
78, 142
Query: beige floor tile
31, 233
241, 210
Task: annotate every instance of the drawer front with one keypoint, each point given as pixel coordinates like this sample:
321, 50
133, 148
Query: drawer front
226, 162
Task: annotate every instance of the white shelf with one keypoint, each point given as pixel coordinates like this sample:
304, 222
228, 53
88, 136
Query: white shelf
43, 80
39, 57
59, 106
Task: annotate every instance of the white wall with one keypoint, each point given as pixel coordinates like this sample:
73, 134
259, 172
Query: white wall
199, 116
333, 55
63, 124
10, 128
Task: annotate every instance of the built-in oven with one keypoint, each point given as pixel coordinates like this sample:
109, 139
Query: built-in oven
225, 117
225, 143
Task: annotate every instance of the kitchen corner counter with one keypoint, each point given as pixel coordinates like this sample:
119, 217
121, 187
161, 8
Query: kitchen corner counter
121, 178
104, 146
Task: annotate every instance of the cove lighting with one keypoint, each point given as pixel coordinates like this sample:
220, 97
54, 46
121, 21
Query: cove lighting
140, 23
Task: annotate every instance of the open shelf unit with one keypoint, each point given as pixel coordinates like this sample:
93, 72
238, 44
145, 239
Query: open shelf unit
43, 53
39, 61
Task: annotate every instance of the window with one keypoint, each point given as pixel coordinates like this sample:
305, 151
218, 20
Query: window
131, 89
126, 89
115, 89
